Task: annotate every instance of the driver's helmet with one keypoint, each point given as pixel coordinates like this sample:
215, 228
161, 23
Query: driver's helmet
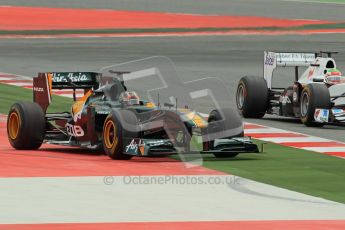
129, 98
333, 76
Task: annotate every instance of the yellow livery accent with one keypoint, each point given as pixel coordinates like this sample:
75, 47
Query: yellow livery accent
199, 121
50, 82
78, 106
150, 105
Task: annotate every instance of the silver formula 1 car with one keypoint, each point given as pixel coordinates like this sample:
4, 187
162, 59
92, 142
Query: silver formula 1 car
316, 96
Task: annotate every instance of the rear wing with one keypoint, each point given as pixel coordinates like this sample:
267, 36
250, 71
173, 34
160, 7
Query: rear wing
44, 83
273, 60
73, 80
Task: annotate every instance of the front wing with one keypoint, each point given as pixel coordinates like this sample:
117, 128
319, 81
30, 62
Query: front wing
159, 147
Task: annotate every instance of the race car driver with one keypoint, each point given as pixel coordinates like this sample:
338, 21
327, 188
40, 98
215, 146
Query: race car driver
129, 98
333, 77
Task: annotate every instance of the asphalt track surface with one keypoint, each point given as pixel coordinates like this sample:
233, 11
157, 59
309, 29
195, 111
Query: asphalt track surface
265, 8
227, 58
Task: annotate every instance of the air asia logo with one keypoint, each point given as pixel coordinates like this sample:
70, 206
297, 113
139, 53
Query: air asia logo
135, 145
74, 77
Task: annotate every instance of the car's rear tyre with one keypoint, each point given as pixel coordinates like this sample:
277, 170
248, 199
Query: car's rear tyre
232, 124
314, 96
113, 133
252, 97
26, 126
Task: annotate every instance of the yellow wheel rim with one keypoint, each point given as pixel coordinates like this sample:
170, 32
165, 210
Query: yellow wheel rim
13, 125
110, 134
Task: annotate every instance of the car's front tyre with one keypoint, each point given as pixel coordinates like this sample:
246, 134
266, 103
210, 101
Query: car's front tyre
313, 96
252, 97
112, 138
228, 126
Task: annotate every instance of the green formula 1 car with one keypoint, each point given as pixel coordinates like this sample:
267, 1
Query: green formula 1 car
113, 118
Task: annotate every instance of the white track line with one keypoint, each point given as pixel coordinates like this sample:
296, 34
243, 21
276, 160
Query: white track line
326, 149
6, 78
265, 130
3, 117
294, 139
19, 84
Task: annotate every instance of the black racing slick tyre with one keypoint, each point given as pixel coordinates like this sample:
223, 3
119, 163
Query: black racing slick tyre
114, 131
26, 126
314, 96
231, 126
252, 97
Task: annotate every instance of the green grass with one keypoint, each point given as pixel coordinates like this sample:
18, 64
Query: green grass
318, 26
294, 169
10, 94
